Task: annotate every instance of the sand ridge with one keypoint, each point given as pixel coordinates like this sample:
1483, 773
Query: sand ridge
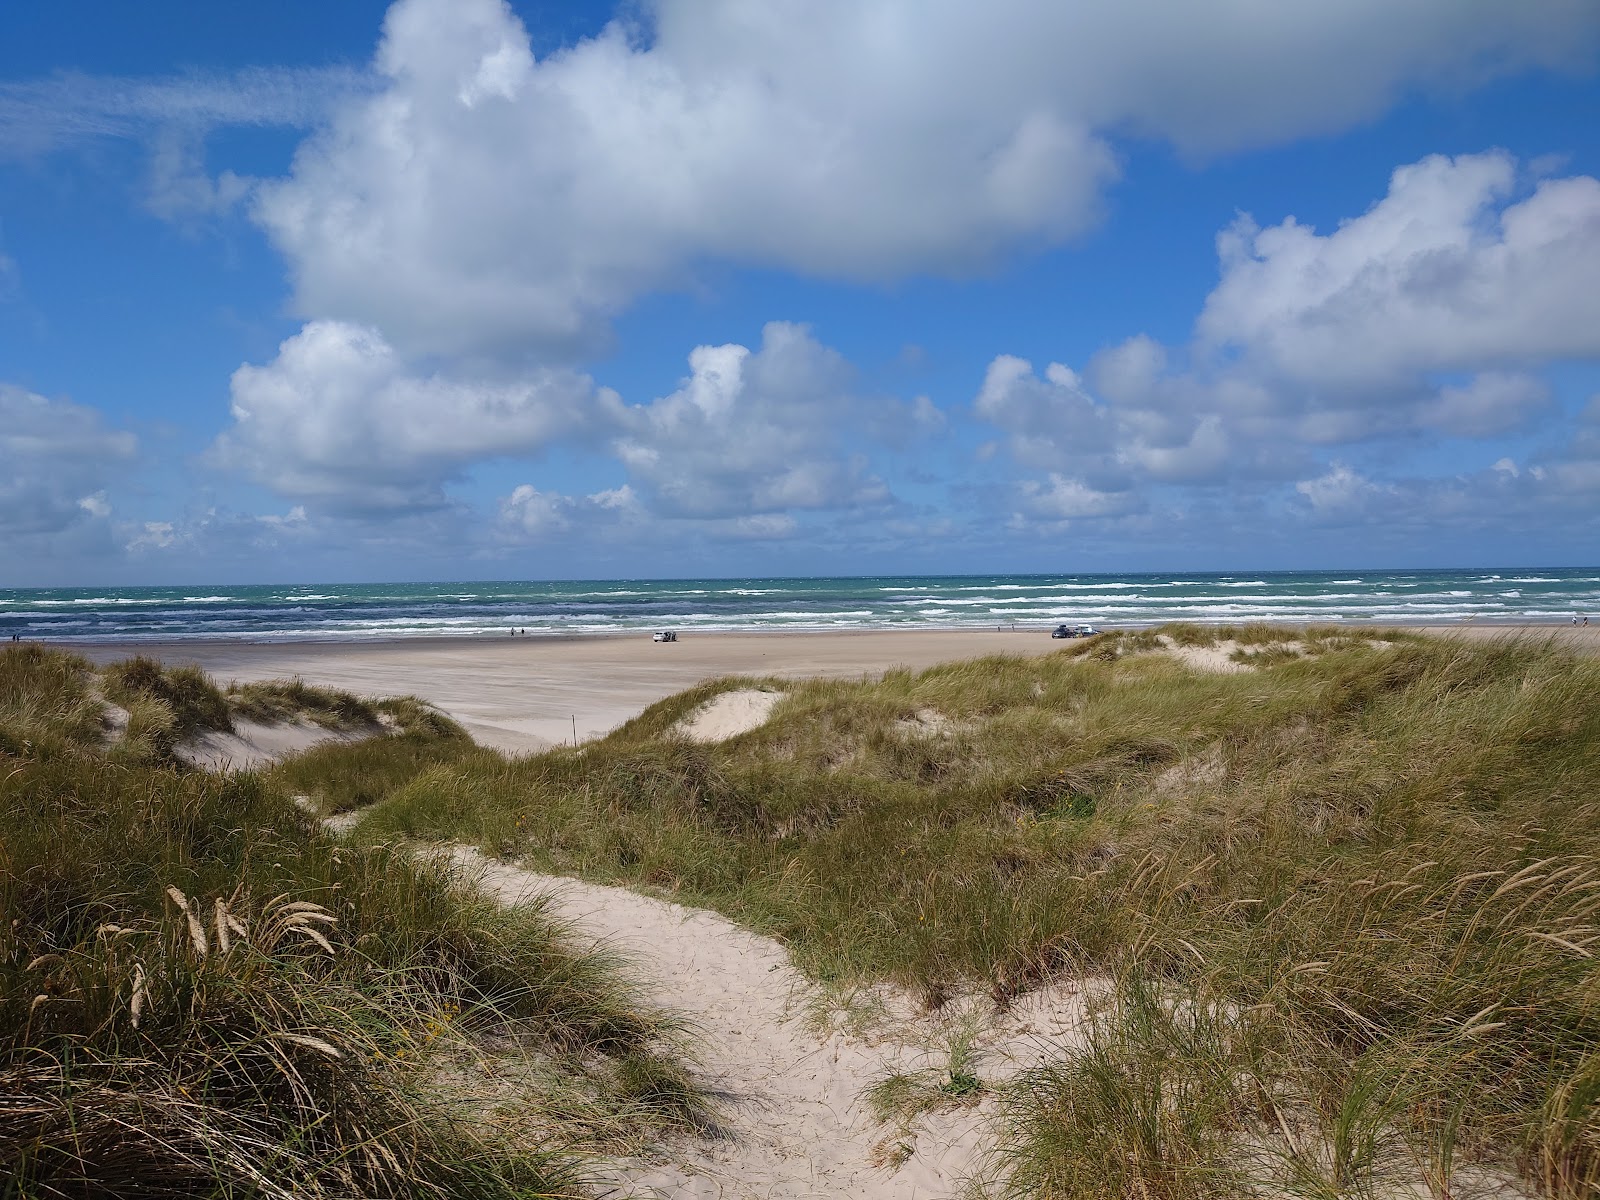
523, 695
254, 744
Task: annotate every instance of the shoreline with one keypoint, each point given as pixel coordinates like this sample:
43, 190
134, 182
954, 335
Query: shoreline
302, 642
525, 694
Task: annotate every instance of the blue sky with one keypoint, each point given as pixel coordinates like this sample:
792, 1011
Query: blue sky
466, 289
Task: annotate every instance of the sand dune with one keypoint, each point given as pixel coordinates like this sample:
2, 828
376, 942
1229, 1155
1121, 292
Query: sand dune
525, 694
253, 744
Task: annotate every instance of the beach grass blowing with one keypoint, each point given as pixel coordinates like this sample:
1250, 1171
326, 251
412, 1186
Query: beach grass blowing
194, 702
1343, 899
202, 994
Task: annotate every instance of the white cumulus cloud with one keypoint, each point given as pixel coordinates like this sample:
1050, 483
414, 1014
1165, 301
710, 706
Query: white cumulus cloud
339, 419
1438, 311
1341, 492
1448, 271
479, 198
527, 514
753, 434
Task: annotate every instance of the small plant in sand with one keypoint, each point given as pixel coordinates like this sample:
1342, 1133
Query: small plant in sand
902, 1098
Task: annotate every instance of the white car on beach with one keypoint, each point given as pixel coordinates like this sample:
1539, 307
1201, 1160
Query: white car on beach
664, 635
1073, 631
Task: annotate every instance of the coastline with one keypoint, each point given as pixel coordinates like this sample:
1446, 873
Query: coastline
558, 609
524, 694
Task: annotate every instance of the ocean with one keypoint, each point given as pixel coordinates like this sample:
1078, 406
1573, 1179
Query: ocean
364, 612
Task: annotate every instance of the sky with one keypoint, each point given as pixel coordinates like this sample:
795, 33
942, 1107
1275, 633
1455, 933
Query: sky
467, 289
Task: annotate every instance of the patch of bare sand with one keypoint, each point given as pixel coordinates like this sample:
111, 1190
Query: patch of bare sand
1214, 659
795, 1120
115, 718
728, 715
253, 744
1206, 770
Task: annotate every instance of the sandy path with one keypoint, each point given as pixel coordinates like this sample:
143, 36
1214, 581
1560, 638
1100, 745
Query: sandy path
796, 1123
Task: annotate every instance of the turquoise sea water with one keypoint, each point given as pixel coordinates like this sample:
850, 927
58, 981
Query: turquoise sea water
340, 612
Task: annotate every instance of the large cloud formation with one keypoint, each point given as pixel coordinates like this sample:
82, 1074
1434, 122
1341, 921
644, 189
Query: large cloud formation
339, 422
1446, 271
480, 199
1436, 313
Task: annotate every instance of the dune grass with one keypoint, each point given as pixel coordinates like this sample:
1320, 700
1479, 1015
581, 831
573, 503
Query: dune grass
1370, 865
294, 699
193, 700
203, 994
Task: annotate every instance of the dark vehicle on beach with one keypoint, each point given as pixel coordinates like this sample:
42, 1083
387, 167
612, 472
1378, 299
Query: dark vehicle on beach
1073, 631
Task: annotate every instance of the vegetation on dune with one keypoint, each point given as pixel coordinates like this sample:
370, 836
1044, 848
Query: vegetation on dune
279, 700
201, 993
194, 702
294, 699
1344, 904
1337, 913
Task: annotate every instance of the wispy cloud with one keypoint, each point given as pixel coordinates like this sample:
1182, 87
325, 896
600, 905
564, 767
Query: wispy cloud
41, 116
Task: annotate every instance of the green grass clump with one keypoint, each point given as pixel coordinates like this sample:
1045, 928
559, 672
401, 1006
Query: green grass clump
1376, 858
195, 702
1187, 633
1149, 1106
47, 702
201, 993
290, 699
341, 778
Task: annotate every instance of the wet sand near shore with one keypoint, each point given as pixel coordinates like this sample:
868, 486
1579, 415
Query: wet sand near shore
522, 694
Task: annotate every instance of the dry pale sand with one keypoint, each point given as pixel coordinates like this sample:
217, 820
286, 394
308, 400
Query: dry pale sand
729, 715
795, 1121
524, 694
252, 744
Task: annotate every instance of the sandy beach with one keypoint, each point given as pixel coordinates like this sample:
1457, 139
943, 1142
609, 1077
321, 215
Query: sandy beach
523, 694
